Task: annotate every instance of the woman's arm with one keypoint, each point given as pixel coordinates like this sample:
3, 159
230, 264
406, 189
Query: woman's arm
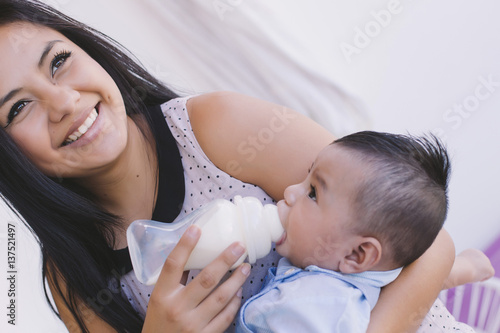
256, 141
405, 302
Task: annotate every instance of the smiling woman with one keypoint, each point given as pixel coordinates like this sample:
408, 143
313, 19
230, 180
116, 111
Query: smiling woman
48, 101
96, 142
67, 105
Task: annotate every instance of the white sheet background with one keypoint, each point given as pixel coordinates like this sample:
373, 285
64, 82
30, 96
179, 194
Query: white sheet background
423, 60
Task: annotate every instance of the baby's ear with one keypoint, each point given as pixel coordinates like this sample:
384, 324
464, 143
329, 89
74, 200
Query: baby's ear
365, 254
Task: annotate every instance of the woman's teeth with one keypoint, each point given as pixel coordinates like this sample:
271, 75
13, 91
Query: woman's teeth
83, 128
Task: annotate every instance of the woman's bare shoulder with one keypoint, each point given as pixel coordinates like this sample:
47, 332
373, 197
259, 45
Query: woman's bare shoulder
255, 140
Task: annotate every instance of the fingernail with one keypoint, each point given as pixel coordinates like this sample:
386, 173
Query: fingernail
245, 269
193, 231
238, 250
240, 292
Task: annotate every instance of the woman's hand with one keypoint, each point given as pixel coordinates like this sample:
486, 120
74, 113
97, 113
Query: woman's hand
197, 306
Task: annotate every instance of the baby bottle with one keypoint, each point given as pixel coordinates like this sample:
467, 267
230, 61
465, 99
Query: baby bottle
221, 222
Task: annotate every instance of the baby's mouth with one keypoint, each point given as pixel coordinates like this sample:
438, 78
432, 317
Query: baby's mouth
281, 240
82, 129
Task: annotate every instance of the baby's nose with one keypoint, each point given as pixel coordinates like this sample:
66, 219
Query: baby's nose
292, 193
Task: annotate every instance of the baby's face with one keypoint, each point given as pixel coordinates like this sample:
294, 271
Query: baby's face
317, 214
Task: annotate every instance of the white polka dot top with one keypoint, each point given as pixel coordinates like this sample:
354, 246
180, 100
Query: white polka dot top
204, 182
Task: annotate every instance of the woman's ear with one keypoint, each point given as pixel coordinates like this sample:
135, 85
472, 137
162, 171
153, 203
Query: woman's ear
366, 252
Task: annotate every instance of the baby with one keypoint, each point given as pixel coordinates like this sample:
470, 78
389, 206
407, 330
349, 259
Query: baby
371, 204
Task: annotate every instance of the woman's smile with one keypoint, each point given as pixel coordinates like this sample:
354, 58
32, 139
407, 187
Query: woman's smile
62, 108
81, 129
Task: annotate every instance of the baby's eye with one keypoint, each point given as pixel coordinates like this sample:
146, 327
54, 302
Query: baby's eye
312, 193
59, 60
15, 110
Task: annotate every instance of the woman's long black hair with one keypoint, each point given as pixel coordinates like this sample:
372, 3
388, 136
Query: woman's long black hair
74, 233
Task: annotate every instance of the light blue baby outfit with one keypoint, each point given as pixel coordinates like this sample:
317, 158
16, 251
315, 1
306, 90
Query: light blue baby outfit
313, 300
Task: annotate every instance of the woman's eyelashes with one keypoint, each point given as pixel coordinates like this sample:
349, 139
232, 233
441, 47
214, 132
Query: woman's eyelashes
312, 193
58, 60
15, 110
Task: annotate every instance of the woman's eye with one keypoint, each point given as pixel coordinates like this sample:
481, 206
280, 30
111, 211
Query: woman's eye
59, 60
312, 193
15, 110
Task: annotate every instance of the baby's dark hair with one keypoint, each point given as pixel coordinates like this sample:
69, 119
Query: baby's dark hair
403, 201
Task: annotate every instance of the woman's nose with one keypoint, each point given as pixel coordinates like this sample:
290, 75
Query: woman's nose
61, 101
292, 193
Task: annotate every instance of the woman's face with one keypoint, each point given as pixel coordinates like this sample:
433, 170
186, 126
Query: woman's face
58, 104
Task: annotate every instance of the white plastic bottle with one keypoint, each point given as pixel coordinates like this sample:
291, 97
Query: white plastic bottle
221, 222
